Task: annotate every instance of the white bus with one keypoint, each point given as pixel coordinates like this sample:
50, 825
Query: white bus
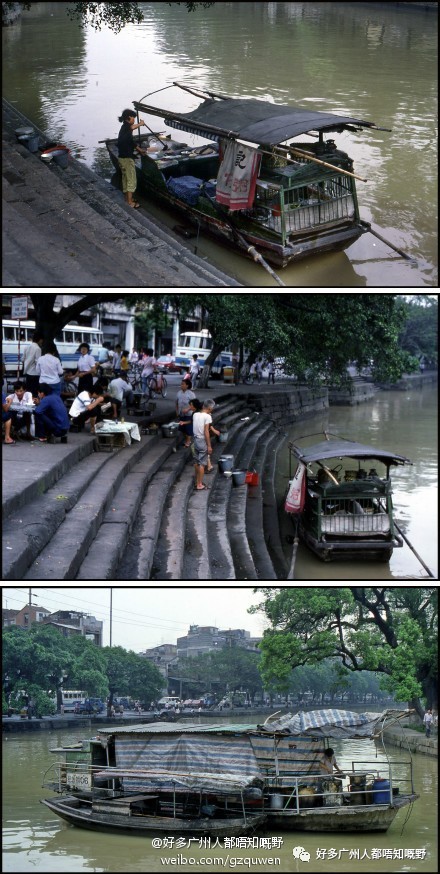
200, 343
69, 697
68, 340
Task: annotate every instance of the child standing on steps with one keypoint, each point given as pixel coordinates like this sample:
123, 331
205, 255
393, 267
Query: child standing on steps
202, 442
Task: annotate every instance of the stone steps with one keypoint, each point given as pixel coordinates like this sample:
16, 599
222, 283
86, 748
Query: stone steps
133, 514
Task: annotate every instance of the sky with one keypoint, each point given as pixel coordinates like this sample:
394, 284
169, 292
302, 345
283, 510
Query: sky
145, 616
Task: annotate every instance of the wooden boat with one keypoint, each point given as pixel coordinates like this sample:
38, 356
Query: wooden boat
227, 780
137, 814
345, 509
301, 798
303, 200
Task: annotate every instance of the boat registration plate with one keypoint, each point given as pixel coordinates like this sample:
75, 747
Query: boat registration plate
78, 781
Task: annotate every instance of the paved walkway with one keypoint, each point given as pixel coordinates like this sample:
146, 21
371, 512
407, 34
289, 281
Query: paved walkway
70, 228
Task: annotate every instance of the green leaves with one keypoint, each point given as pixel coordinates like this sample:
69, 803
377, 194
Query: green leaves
384, 629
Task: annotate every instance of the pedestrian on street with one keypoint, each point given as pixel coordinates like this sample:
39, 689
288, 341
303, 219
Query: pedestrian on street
259, 370
194, 370
271, 371
50, 370
30, 357
427, 721
86, 369
126, 150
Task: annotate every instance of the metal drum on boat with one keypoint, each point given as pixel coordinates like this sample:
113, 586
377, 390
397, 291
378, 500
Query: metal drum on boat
381, 791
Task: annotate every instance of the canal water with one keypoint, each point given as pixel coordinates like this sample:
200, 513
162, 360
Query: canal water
35, 839
400, 421
374, 61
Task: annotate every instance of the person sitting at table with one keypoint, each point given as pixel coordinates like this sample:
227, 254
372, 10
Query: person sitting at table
51, 419
20, 417
7, 420
88, 406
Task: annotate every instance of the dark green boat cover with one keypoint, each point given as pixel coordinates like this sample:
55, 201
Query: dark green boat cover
261, 122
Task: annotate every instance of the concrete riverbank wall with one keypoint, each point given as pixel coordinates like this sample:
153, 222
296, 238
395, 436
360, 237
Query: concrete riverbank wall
68, 227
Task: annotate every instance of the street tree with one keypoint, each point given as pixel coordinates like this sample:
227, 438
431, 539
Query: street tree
130, 674
389, 630
115, 16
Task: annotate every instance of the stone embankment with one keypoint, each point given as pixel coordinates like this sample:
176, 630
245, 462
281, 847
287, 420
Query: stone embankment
73, 513
70, 228
409, 739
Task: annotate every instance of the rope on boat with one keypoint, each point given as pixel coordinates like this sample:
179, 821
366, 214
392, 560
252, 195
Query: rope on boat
291, 574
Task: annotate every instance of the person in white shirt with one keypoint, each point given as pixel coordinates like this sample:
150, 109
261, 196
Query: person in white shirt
86, 369
202, 442
149, 363
30, 357
21, 418
50, 370
194, 369
87, 405
120, 388
134, 357
427, 721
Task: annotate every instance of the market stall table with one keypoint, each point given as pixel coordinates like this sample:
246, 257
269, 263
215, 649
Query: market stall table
111, 435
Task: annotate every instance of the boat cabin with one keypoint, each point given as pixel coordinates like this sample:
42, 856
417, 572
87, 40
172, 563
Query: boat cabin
347, 508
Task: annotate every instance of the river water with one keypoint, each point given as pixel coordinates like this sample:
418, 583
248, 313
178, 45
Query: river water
35, 839
373, 61
400, 421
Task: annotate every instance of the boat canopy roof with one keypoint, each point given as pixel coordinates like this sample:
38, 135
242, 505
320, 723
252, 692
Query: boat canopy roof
334, 723
256, 121
347, 449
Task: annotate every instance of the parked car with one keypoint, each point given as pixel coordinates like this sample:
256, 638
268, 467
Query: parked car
166, 364
90, 705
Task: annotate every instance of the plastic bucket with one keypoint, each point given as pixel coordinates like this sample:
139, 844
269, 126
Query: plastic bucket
381, 791
24, 132
62, 160
239, 477
252, 478
30, 141
224, 437
276, 802
226, 462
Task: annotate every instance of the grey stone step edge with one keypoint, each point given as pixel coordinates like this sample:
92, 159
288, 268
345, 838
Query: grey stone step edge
63, 555
147, 484
29, 528
183, 522
219, 536
241, 535
47, 479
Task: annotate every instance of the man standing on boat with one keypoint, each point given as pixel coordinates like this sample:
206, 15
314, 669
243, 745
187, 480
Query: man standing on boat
126, 149
328, 763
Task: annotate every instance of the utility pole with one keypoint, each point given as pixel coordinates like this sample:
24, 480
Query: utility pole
30, 607
111, 614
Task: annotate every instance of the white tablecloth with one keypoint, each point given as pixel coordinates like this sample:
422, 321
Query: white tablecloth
130, 430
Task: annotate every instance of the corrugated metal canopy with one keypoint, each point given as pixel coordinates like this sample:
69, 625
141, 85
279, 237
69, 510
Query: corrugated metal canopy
261, 122
346, 448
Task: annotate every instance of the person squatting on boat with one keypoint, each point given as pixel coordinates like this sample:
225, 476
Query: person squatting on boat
126, 149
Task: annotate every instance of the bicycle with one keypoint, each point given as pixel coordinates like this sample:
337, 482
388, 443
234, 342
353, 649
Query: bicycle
157, 385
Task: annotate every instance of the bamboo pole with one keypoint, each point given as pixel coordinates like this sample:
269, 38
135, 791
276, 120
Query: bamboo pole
369, 229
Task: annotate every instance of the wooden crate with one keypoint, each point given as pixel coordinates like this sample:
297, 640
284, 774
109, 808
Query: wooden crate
110, 442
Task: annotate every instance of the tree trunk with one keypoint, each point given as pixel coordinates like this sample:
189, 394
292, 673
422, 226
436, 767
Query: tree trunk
415, 704
214, 353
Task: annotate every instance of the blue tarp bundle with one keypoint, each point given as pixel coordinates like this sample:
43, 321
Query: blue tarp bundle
332, 723
186, 188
